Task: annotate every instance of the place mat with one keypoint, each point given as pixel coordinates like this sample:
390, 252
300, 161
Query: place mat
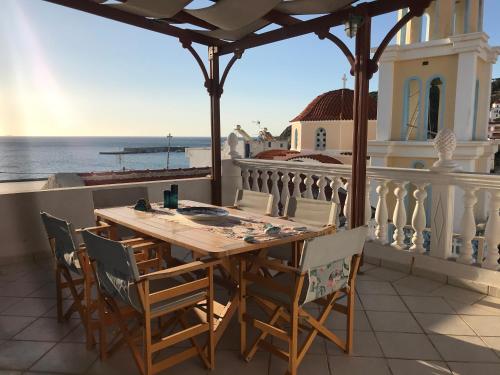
249, 229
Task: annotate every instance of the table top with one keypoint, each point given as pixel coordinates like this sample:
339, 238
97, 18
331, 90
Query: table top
175, 229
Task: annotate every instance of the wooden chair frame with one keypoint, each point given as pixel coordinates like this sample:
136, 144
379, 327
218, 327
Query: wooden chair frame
155, 342
291, 313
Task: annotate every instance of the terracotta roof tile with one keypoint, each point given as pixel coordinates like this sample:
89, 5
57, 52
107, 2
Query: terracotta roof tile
334, 105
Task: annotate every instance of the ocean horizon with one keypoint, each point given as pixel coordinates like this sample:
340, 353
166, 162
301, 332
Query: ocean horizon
32, 157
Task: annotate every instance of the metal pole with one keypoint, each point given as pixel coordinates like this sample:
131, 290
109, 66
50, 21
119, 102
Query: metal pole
215, 94
362, 76
169, 136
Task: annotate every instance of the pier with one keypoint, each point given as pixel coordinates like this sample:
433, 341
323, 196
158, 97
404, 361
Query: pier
144, 150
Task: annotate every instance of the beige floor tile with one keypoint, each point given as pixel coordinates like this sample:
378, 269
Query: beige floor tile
311, 364
229, 362
444, 324
6, 302
375, 287
416, 286
18, 289
357, 302
463, 368
463, 348
484, 325
386, 274
407, 346
68, 358
12, 372
393, 322
358, 366
474, 309
418, 367
52, 313
337, 320
11, 325
428, 304
493, 343
46, 329
364, 345
120, 363
30, 307
20, 355
458, 294
367, 267
379, 302
77, 335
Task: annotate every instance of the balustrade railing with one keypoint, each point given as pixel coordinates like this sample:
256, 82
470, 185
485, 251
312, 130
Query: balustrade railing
414, 208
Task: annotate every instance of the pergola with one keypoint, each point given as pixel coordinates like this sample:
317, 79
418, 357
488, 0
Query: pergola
232, 26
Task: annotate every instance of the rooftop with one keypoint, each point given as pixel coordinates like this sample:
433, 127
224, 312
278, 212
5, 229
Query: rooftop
404, 325
333, 106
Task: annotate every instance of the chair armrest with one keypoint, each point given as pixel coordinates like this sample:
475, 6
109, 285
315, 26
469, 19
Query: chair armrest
102, 225
179, 270
272, 264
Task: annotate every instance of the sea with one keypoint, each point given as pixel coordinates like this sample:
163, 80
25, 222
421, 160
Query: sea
25, 158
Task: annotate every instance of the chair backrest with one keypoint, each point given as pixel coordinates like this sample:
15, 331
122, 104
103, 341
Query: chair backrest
327, 261
311, 211
106, 198
62, 233
115, 268
253, 201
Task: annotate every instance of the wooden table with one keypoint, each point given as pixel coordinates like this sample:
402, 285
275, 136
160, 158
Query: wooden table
177, 230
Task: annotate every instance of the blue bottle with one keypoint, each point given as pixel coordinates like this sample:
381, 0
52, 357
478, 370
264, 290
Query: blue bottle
174, 196
167, 194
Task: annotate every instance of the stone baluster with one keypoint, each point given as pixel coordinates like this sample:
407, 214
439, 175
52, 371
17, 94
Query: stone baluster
296, 184
265, 177
492, 233
335, 184
255, 180
347, 205
285, 192
368, 205
275, 192
309, 181
468, 225
246, 176
399, 216
321, 183
381, 214
418, 220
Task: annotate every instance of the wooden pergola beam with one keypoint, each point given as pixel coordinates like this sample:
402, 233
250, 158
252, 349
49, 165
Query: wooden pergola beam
115, 14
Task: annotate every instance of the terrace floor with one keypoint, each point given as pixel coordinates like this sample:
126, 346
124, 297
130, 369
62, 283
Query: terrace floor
404, 325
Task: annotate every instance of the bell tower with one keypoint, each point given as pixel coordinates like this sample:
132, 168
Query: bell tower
436, 76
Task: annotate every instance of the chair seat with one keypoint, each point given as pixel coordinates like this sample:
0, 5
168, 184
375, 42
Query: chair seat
284, 279
281, 252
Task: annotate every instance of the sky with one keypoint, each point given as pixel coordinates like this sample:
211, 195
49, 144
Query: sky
68, 73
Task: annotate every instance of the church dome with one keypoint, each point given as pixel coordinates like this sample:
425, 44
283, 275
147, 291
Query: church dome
334, 105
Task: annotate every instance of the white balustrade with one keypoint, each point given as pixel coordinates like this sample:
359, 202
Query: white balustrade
335, 185
347, 205
492, 232
296, 184
285, 192
246, 176
255, 180
381, 214
418, 220
309, 181
265, 178
321, 183
275, 192
468, 226
399, 216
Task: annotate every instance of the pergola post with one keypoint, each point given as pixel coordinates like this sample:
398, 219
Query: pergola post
215, 92
363, 71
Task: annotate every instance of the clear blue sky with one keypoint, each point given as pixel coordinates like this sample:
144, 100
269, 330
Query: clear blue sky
64, 72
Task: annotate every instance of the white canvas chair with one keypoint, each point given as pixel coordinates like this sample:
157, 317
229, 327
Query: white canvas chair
305, 211
253, 201
327, 272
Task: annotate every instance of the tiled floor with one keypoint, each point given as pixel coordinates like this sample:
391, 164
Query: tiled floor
404, 325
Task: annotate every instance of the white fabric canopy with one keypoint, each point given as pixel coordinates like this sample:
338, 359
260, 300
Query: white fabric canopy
232, 35
233, 15
312, 6
153, 8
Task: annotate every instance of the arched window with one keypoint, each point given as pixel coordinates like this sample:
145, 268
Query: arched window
425, 31
434, 110
320, 139
296, 138
411, 109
